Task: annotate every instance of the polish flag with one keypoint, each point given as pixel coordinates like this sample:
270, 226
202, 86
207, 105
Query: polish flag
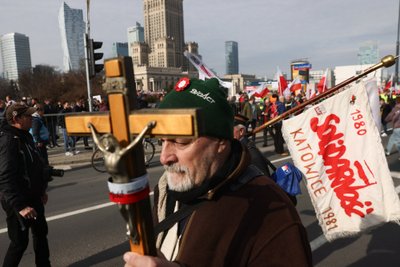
261, 91
322, 83
282, 83
389, 84
295, 85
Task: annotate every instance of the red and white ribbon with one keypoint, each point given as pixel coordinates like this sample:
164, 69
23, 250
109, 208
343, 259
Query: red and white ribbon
129, 193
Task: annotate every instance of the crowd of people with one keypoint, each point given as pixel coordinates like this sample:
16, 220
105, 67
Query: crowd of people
205, 179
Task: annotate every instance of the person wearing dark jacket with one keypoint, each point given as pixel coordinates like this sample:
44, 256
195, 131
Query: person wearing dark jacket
237, 216
276, 109
40, 132
240, 133
23, 186
69, 141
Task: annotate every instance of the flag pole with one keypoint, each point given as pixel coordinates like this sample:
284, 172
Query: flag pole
386, 62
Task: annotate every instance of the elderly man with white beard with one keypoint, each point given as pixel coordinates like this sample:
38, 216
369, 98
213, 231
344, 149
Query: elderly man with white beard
212, 207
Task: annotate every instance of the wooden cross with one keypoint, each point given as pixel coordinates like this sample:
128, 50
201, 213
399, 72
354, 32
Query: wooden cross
121, 123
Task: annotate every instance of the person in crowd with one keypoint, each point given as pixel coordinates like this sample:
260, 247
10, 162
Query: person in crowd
22, 187
142, 100
276, 109
103, 106
9, 100
394, 118
69, 141
236, 216
232, 102
40, 132
51, 122
385, 109
257, 158
34, 102
265, 118
240, 133
250, 111
2, 109
80, 107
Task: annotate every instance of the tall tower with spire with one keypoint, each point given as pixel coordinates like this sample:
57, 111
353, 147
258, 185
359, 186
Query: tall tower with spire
164, 32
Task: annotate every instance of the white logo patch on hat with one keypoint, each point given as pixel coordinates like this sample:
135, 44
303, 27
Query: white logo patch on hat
206, 97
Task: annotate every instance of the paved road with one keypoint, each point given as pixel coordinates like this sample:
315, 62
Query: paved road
87, 230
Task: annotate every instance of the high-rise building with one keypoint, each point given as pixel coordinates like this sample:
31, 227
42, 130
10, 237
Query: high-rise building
120, 49
137, 49
231, 57
15, 55
72, 29
159, 61
136, 33
368, 53
164, 33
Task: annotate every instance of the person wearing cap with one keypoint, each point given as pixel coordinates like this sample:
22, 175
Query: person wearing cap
23, 187
257, 158
223, 211
240, 133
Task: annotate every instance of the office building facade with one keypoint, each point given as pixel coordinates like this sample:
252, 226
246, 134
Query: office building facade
72, 29
164, 32
15, 55
120, 49
159, 61
231, 57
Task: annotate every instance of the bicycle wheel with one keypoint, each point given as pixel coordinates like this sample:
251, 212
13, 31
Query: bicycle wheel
149, 150
98, 161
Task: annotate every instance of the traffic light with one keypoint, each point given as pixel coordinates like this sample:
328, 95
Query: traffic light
93, 57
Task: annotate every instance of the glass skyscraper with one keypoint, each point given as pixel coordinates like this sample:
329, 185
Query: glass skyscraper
72, 29
368, 53
15, 55
120, 49
231, 57
136, 33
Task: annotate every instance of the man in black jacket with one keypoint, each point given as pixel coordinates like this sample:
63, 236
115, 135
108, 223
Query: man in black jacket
257, 158
23, 186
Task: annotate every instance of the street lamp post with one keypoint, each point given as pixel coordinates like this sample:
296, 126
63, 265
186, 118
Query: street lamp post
86, 39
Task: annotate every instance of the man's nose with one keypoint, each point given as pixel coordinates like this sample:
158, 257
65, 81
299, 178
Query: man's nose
168, 155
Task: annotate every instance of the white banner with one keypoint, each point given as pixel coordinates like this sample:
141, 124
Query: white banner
338, 148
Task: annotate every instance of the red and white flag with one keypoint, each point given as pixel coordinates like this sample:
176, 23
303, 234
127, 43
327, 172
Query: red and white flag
204, 71
261, 91
322, 83
282, 83
310, 91
295, 85
338, 148
389, 84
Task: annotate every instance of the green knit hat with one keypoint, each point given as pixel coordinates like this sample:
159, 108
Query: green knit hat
210, 98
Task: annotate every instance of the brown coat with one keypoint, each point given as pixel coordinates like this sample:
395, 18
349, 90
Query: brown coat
256, 225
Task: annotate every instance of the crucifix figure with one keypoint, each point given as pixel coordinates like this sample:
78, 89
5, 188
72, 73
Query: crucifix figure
113, 152
112, 132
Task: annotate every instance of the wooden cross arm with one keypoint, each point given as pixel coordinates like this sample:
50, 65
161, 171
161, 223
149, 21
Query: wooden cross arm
169, 122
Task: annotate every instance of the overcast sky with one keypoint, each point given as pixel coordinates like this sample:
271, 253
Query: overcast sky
270, 33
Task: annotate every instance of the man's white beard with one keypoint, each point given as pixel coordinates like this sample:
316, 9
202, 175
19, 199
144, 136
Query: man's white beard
183, 183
